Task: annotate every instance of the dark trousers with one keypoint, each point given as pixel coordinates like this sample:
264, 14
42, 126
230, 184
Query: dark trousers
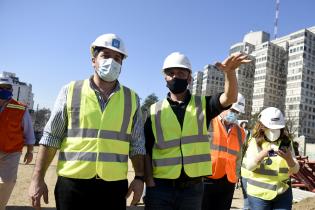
174, 195
218, 194
96, 194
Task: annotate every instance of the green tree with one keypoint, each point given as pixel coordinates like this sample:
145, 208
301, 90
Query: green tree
145, 107
40, 118
252, 121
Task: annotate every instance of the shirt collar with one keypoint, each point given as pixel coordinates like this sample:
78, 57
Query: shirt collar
185, 101
96, 89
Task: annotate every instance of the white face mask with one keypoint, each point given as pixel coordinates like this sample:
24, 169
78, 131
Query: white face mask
272, 134
231, 117
108, 69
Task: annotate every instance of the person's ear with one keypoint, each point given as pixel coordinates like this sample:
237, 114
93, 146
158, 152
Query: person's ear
189, 78
93, 61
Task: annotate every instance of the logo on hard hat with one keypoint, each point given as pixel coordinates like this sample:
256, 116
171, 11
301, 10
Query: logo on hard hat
116, 43
275, 119
240, 103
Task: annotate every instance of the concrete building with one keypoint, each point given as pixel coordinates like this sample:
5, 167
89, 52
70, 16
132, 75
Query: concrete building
207, 82
245, 74
300, 90
212, 81
269, 77
282, 75
22, 91
196, 84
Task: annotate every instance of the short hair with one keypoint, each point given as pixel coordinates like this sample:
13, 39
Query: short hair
243, 122
97, 50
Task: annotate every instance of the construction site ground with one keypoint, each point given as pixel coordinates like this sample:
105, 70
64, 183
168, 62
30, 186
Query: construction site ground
19, 199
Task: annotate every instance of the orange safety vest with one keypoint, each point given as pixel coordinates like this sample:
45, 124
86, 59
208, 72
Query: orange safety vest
11, 131
226, 150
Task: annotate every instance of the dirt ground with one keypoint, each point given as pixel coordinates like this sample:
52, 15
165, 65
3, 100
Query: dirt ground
19, 199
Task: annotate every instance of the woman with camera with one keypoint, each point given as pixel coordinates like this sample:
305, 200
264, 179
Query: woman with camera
268, 162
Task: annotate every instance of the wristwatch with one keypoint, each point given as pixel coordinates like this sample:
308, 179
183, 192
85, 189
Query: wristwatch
139, 177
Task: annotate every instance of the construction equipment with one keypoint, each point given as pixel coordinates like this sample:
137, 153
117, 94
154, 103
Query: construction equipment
305, 178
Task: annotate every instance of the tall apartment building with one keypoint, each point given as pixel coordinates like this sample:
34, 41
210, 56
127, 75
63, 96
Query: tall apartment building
300, 90
212, 81
22, 91
282, 75
196, 84
270, 77
207, 82
245, 73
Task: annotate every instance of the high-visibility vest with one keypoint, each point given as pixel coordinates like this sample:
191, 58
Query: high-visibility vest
226, 150
97, 143
267, 181
11, 130
177, 147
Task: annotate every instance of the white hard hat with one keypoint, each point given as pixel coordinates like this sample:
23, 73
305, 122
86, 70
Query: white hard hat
240, 104
5, 81
272, 118
176, 59
110, 41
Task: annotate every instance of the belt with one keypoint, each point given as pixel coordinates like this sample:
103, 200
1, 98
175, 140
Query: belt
220, 180
178, 183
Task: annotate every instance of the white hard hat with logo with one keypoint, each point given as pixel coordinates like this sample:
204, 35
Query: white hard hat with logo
240, 104
110, 41
272, 118
176, 60
5, 81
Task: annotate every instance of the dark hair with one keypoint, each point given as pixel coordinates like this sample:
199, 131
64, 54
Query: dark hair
7, 87
258, 133
244, 122
97, 50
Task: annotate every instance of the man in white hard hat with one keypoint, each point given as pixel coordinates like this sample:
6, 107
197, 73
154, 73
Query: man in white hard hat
15, 131
177, 144
227, 139
96, 123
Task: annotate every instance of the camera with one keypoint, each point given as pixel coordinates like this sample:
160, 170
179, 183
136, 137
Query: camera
284, 145
272, 153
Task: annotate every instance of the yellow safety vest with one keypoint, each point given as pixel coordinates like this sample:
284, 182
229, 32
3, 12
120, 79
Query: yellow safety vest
174, 146
97, 143
267, 181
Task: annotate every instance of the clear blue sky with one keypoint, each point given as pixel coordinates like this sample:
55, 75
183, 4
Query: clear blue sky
46, 42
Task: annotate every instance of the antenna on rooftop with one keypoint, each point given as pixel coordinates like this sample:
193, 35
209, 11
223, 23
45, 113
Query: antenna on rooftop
275, 32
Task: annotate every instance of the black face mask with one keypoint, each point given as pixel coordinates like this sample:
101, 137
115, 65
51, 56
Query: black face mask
177, 85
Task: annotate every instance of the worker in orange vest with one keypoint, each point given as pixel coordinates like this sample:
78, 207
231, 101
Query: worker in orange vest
226, 138
15, 131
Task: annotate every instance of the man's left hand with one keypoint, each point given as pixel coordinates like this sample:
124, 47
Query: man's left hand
136, 186
233, 62
28, 157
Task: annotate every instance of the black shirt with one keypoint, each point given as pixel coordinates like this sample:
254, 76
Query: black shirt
213, 109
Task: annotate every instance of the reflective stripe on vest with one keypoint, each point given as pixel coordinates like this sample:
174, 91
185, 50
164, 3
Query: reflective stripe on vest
226, 151
171, 141
263, 171
92, 156
267, 181
97, 143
